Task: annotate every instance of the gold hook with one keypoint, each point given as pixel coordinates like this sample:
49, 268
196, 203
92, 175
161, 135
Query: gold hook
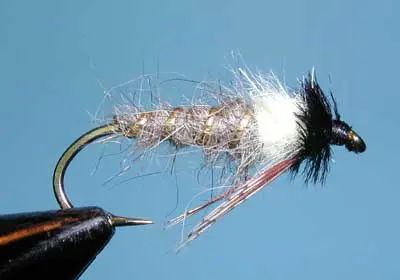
69, 155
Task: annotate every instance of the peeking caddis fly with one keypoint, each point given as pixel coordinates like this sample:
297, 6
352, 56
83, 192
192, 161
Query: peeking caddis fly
255, 121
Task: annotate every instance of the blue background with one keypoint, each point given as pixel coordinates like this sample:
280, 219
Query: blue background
53, 55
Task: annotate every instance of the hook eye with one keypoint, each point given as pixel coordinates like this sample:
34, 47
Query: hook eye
69, 155
355, 143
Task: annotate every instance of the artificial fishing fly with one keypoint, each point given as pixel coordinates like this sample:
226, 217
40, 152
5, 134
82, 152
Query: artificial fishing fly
257, 121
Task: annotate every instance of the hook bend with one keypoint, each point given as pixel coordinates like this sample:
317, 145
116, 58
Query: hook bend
69, 155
